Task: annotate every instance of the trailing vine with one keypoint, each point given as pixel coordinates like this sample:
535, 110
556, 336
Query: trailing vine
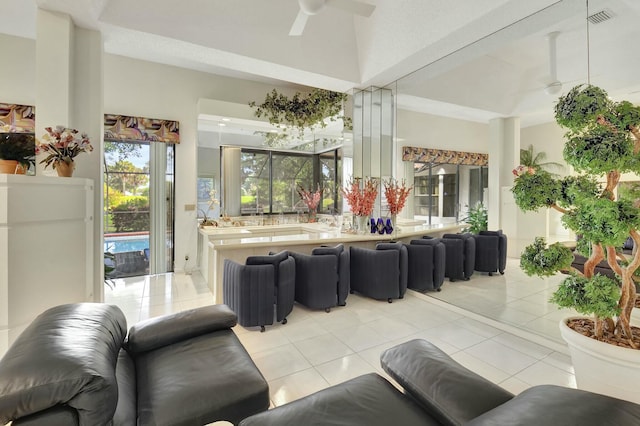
303, 111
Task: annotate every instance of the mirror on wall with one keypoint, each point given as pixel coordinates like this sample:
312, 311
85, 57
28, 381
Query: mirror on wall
443, 193
224, 128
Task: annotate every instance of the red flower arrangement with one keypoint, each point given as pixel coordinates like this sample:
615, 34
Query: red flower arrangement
311, 199
396, 195
361, 200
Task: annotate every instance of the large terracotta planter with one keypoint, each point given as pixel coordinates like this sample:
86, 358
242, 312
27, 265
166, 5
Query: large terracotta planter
603, 368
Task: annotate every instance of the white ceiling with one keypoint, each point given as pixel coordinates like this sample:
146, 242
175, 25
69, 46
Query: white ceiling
473, 59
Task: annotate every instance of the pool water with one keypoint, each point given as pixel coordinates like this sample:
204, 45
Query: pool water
121, 245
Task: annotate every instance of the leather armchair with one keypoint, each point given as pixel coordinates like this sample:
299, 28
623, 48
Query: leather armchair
251, 290
426, 264
73, 366
322, 278
439, 391
461, 256
491, 252
380, 273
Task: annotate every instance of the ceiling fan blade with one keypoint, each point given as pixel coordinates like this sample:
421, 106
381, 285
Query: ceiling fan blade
298, 25
353, 6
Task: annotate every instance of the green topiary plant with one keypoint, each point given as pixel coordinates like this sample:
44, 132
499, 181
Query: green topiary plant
538, 259
603, 139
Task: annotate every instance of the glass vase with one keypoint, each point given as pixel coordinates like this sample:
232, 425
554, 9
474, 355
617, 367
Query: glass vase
312, 216
362, 224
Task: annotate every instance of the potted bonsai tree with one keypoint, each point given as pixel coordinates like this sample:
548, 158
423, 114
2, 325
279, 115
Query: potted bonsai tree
602, 141
17, 152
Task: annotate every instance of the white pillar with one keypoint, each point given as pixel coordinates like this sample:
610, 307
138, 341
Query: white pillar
504, 156
69, 92
54, 72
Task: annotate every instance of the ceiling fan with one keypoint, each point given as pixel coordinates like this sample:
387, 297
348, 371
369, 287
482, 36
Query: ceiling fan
313, 7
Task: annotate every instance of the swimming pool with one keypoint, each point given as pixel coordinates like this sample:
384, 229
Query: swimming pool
124, 244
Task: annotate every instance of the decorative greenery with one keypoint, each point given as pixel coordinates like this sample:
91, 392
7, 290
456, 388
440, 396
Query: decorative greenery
20, 147
581, 107
538, 259
303, 112
477, 219
532, 191
597, 295
603, 138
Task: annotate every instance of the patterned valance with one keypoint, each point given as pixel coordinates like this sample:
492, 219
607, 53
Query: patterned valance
440, 156
140, 129
17, 118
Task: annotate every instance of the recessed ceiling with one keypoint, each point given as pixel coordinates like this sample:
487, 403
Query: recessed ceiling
473, 58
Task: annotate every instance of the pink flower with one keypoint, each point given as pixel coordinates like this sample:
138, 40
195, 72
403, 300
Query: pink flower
396, 195
361, 200
62, 144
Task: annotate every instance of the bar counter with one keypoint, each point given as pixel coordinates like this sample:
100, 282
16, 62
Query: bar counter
237, 243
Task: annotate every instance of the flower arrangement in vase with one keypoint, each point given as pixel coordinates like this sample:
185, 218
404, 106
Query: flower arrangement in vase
396, 194
361, 195
62, 145
311, 199
213, 201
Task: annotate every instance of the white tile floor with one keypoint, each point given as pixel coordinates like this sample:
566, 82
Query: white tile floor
317, 349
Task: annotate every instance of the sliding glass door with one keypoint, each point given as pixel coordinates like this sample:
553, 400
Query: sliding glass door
138, 208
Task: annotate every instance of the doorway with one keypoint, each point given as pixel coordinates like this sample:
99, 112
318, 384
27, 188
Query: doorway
138, 208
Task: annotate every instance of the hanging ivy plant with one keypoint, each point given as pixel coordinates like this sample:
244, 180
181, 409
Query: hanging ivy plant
303, 111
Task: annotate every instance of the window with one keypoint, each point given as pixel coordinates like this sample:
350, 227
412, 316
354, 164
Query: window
270, 180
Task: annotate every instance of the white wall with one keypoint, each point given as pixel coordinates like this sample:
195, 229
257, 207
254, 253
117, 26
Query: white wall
18, 70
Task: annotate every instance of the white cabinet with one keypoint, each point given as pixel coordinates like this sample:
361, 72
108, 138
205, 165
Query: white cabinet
46, 246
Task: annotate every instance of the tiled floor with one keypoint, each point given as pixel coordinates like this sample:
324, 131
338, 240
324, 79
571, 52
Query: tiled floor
317, 349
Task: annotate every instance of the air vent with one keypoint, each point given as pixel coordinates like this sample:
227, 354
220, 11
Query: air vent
600, 17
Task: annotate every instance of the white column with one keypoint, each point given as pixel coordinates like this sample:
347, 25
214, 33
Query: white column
69, 92
54, 72
504, 156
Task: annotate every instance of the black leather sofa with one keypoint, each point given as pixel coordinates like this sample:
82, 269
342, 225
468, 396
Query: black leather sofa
73, 366
439, 391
